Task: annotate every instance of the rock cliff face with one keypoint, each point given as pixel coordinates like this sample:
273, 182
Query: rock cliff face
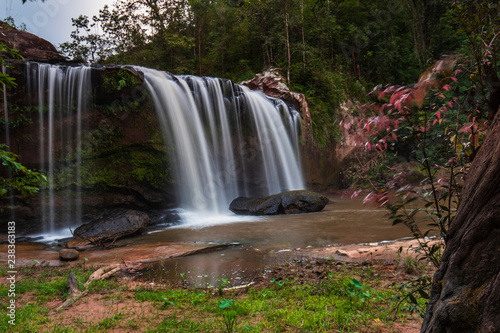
123, 162
31, 47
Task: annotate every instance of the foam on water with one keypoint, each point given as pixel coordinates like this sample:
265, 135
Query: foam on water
198, 220
53, 236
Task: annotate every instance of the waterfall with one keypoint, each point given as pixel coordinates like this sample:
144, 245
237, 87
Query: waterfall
224, 140
205, 118
63, 95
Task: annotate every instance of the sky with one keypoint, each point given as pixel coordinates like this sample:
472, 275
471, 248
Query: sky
51, 19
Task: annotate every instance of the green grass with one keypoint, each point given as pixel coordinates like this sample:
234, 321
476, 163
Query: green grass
346, 298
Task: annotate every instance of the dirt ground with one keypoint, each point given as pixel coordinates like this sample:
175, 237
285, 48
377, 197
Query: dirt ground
377, 252
94, 308
309, 265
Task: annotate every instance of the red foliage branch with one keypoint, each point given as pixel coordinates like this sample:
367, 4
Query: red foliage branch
379, 121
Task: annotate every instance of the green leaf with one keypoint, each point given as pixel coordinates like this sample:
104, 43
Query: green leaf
423, 293
413, 212
356, 283
397, 221
444, 208
412, 299
225, 304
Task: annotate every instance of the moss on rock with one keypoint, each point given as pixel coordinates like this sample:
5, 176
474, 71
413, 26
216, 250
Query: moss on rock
143, 164
120, 79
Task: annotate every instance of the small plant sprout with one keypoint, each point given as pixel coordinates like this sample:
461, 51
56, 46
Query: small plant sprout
229, 316
225, 303
356, 290
183, 279
223, 283
166, 302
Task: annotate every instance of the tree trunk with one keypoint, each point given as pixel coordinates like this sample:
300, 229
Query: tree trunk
303, 36
465, 292
417, 10
199, 47
287, 46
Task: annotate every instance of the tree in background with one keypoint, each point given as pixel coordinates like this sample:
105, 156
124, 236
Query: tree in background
87, 42
328, 50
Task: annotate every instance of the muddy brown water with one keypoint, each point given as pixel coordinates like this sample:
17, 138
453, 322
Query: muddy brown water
265, 241
240, 247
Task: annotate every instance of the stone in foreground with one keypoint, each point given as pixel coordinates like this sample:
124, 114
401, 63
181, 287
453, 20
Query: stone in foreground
291, 202
68, 255
116, 225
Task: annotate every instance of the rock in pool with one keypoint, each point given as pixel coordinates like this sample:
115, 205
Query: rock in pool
290, 202
110, 227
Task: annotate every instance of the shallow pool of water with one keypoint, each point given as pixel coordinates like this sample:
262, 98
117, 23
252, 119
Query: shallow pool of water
342, 221
260, 242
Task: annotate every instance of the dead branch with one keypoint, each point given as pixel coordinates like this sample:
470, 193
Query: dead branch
100, 274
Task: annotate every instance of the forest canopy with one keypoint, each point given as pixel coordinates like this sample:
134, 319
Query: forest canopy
331, 51
377, 41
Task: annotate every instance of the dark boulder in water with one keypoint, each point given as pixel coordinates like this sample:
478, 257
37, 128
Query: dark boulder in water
110, 227
291, 202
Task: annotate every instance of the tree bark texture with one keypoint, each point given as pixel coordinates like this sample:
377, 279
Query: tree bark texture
465, 292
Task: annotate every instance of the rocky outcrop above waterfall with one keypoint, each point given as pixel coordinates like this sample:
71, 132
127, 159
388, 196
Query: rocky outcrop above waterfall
30, 46
291, 202
273, 84
113, 226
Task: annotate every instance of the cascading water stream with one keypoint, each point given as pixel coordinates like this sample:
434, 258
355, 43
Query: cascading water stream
205, 119
63, 95
227, 141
